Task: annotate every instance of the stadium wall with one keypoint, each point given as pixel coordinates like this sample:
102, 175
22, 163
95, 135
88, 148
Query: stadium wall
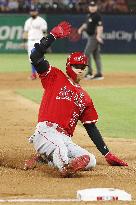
119, 33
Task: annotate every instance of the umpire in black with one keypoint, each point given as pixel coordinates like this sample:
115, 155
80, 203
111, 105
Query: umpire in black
94, 29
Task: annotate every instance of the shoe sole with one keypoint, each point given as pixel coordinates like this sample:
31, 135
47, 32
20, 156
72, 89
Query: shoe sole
30, 78
89, 78
99, 78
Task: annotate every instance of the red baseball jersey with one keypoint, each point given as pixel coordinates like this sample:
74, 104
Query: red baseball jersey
63, 102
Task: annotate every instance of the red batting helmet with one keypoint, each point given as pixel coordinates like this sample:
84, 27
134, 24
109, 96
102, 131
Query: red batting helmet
76, 58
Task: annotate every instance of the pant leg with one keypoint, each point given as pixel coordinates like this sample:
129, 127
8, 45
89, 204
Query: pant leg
89, 49
75, 150
49, 142
97, 59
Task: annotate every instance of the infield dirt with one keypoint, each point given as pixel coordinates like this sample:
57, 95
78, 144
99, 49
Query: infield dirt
18, 117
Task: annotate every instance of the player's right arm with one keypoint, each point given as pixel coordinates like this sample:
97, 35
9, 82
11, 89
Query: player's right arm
62, 30
26, 29
25, 35
82, 28
98, 140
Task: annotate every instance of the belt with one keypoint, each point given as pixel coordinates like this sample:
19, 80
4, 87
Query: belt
58, 128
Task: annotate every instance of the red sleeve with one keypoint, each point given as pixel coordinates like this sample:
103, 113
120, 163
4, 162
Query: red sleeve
89, 115
49, 77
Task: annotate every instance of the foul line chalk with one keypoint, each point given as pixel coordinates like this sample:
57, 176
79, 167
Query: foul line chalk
21, 200
38, 200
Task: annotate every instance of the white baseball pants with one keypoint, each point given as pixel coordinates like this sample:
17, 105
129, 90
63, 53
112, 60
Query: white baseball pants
47, 140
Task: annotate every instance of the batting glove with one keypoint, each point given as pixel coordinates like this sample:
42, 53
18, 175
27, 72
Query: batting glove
113, 160
62, 30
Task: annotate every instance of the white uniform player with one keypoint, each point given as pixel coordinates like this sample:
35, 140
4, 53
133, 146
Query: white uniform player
35, 28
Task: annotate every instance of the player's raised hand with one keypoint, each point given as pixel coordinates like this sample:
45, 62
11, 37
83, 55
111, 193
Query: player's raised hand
62, 30
113, 160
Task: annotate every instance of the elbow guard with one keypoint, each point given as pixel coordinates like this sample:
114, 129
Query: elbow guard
36, 57
37, 53
38, 61
46, 42
40, 49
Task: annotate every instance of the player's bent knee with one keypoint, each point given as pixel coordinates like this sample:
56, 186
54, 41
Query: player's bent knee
92, 162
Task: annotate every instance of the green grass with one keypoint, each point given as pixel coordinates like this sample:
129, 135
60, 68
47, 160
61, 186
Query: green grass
116, 109
115, 106
111, 63
32, 94
14, 63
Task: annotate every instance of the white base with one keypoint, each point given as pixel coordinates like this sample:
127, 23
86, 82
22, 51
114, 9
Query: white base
103, 194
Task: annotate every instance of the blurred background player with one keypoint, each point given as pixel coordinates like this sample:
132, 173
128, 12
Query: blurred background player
35, 28
94, 29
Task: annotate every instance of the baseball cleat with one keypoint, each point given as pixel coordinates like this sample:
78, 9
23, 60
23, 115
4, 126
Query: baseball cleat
77, 164
98, 77
33, 76
88, 77
31, 163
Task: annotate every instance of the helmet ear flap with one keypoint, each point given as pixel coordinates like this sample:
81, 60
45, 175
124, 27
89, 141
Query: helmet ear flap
67, 63
70, 72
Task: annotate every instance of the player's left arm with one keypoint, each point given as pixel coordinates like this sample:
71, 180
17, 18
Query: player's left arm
99, 29
62, 30
37, 54
97, 139
25, 35
99, 34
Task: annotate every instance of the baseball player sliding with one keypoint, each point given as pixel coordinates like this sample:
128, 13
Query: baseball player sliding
64, 102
